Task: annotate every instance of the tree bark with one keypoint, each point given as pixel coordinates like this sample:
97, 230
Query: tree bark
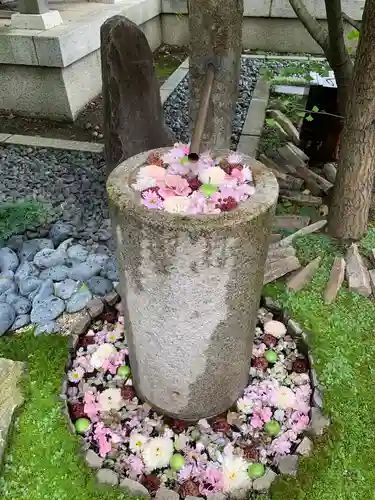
338, 56
332, 43
355, 176
351, 21
215, 36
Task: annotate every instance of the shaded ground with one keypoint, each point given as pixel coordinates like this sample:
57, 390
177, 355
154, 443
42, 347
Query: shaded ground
88, 126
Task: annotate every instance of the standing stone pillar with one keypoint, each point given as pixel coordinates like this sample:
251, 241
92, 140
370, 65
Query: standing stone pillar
191, 287
215, 35
133, 114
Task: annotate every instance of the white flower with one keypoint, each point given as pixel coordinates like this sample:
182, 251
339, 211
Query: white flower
103, 352
144, 180
113, 336
176, 204
137, 442
234, 158
76, 374
235, 473
212, 175
279, 415
245, 405
157, 453
247, 174
111, 399
181, 441
275, 328
283, 398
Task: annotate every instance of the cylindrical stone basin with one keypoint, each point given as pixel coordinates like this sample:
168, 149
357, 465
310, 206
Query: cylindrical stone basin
191, 285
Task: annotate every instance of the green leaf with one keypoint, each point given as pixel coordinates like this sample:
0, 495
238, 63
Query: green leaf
315, 109
270, 122
301, 114
309, 118
353, 35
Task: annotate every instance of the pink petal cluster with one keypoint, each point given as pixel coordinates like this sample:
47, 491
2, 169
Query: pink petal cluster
184, 178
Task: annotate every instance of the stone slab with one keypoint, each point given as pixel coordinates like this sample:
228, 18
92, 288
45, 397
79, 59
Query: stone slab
248, 145
312, 228
174, 80
301, 199
11, 397
262, 89
335, 281
279, 268
47, 142
290, 221
45, 21
4, 137
357, 274
291, 90
304, 276
17, 47
255, 117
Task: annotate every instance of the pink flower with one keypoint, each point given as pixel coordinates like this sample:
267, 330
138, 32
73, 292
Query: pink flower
174, 185
284, 398
256, 422
266, 414
258, 350
136, 466
238, 175
212, 481
152, 200
91, 406
280, 446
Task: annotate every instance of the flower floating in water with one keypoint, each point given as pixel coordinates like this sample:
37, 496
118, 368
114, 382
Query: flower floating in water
76, 375
206, 186
157, 453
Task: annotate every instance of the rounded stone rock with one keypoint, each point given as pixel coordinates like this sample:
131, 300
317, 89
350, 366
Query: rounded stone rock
21, 321
46, 328
60, 231
47, 258
25, 270
7, 317
190, 354
43, 292
47, 310
134, 488
20, 304
31, 247
66, 288
55, 273
84, 271
5, 284
107, 476
28, 285
99, 285
8, 260
79, 300
77, 253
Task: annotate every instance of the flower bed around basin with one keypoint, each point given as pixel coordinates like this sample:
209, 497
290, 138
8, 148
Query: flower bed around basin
229, 455
176, 183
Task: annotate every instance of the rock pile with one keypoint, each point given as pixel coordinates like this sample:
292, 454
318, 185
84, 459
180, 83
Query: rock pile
43, 277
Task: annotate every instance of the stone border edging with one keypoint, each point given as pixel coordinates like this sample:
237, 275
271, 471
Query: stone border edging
253, 126
287, 467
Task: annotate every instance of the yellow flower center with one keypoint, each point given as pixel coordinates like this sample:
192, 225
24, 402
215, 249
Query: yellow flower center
139, 444
157, 452
233, 475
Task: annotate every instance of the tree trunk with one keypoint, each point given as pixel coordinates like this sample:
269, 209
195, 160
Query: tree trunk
215, 35
337, 53
332, 44
355, 176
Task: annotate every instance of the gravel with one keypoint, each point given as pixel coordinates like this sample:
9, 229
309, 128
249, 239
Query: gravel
72, 183
176, 108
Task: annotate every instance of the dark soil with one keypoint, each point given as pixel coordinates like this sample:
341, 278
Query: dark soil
88, 125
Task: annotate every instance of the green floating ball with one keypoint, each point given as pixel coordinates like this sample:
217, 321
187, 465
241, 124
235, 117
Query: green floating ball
272, 428
124, 371
208, 190
255, 470
82, 425
177, 462
270, 356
